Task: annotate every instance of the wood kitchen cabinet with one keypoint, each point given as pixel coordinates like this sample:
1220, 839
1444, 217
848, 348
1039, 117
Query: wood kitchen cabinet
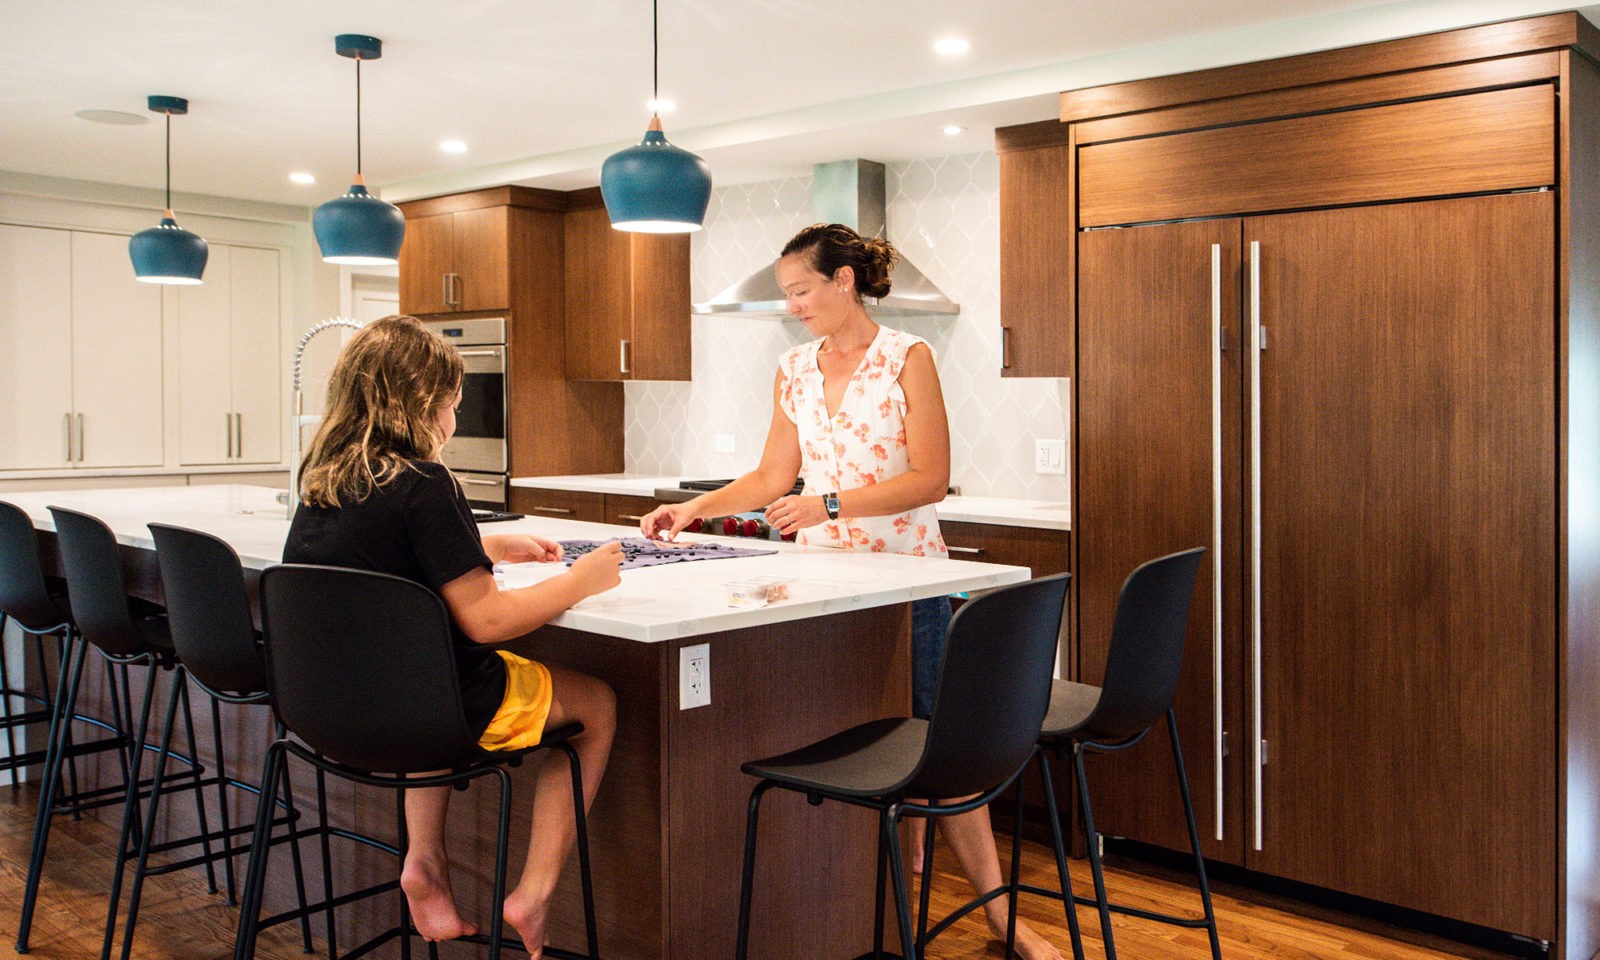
81, 365
229, 382
1338, 337
1036, 249
455, 261
627, 299
561, 504
507, 246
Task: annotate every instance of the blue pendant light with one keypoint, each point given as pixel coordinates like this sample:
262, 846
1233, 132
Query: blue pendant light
655, 187
168, 253
359, 228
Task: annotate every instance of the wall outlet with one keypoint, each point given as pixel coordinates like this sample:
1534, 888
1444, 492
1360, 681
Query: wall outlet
1050, 457
694, 676
724, 442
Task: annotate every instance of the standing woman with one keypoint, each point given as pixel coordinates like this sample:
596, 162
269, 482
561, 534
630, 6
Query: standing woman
374, 496
859, 414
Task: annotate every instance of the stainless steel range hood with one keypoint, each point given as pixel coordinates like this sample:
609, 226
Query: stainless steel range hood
850, 192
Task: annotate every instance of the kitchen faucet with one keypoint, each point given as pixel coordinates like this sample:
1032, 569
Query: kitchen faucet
297, 418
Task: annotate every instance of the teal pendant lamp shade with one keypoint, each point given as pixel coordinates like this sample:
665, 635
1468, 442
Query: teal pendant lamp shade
167, 253
359, 228
655, 187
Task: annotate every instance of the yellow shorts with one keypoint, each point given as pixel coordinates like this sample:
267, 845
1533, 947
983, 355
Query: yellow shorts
525, 707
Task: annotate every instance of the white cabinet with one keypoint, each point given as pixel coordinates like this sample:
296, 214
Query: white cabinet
80, 353
229, 374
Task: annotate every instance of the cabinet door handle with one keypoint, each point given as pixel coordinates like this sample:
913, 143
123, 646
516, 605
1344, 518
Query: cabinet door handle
444, 289
970, 551
228, 419
622, 355
1257, 343
1005, 348
564, 511
238, 435
80, 438
66, 433
1216, 528
630, 517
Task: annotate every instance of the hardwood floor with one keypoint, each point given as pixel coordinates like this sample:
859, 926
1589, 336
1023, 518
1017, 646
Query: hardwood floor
181, 921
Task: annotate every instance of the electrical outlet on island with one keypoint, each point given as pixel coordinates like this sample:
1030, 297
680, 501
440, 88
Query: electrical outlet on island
694, 676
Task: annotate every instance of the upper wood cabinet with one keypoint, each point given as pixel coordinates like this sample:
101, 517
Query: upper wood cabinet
1036, 250
455, 261
627, 299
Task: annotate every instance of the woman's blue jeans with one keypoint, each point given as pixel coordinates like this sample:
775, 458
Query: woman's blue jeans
930, 621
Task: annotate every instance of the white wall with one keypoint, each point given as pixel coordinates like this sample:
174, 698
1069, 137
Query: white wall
943, 214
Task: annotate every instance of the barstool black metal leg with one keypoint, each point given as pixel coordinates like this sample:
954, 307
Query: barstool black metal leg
66, 702
1054, 815
199, 784
1194, 836
1016, 876
244, 941
927, 882
1094, 855
502, 836
747, 878
890, 819
223, 809
327, 862
880, 890
130, 806
292, 819
585, 875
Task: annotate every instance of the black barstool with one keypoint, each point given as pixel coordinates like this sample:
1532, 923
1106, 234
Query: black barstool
345, 649
994, 685
126, 632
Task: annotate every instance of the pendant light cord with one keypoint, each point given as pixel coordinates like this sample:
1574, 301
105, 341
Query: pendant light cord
169, 158
655, 52
358, 116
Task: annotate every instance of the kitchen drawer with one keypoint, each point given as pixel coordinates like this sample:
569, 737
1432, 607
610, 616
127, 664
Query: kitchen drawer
1042, 551
563, 504
625, 510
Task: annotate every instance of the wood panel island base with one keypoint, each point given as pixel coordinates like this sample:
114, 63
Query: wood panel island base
667, 828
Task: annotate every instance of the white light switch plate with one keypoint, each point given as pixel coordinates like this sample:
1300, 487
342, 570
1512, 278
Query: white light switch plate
1050, 457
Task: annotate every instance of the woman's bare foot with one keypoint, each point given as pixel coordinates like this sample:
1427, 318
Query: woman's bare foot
433, 906
1030, 946
528, 914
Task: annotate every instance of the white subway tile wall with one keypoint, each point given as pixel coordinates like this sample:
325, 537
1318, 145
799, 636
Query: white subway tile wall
943, 214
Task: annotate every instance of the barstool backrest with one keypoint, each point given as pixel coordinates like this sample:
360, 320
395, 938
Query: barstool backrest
994, 687
360, 667
94, 579
208, 610
1145, 657
23, 591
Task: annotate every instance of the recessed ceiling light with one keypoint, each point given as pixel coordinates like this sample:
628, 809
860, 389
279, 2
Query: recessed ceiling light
300, 176
453, 146
951, 46
661, 105
952, 130
115, 117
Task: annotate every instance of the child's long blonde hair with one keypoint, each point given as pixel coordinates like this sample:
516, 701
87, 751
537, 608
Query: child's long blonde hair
383, 395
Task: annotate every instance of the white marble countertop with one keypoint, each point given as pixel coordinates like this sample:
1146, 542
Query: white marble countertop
1012, 513
651, 605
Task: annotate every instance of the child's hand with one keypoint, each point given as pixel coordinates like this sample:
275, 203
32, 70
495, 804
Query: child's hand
526, 548
600, 569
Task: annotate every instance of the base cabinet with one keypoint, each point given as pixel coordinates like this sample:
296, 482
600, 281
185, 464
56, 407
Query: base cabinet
1371, 415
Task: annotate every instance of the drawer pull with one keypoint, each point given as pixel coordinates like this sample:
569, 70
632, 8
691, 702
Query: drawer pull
972, 551
560, 510
630, 517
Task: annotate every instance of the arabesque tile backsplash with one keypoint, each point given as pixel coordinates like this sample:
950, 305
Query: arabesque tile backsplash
943, 214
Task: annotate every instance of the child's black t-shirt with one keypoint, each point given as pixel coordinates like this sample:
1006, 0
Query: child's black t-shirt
420, 527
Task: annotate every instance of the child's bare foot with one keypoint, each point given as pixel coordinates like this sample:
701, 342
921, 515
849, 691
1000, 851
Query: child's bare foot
528, 914
433, 906
1030, 946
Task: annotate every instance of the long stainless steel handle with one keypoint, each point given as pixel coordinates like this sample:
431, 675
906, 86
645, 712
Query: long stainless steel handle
974, 551
622, 356
560, 510
228, 419
238, 435
1258, 342
1216, 528
481, 483
478, 353
80, 438
66, 433
444, 289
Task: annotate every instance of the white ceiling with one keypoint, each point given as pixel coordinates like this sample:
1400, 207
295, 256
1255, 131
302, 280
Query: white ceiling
543, 90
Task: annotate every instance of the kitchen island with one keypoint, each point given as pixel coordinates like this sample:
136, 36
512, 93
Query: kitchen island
668, 825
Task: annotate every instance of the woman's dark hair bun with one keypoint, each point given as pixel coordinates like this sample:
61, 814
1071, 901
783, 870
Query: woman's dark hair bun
829, 246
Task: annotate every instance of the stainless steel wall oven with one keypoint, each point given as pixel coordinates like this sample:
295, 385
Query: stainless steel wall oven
477, 453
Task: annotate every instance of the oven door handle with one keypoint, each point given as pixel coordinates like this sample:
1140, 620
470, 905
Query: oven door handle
487, 352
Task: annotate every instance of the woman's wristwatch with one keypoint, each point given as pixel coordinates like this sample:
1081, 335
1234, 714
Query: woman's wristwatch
830, 502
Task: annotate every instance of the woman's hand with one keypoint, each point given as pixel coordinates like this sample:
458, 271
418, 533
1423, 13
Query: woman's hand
600, 569
523, 548
792, 513
666, 521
